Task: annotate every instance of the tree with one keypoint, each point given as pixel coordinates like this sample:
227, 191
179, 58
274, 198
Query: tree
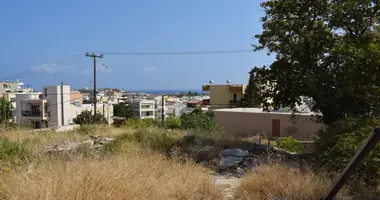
5, 111
251, 96
338, 144
86, 117
328, 50
123, 110
201, 122
190, 93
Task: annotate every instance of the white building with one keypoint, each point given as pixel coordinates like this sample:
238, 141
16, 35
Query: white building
46, 109
13, 87
144, 109
105, 109
159, 107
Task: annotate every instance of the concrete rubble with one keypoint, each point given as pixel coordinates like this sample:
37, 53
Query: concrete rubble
95, 142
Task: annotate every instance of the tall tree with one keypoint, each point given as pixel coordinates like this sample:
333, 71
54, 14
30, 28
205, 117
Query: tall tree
5, 111
328, 50
252, 96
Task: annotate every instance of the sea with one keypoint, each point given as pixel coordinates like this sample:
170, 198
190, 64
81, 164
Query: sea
169, 91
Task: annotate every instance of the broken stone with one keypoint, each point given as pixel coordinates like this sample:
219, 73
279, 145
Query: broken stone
227, 162
234, 152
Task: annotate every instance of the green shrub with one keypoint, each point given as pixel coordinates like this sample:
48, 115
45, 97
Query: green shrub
13, 150
157, 140
139, 123
172, 123
201, 122
290, 144
86, 117
337, 144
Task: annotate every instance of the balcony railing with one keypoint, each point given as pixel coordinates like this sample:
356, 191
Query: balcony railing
31, 113
205, 87
235, 104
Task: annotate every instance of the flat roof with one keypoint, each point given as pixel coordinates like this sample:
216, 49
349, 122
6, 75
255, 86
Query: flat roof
258, 110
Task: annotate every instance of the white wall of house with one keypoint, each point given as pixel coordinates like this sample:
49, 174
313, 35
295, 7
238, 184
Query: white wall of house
49, 103
144, 109
53, 95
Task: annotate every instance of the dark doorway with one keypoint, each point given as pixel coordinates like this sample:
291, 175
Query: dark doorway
276, 131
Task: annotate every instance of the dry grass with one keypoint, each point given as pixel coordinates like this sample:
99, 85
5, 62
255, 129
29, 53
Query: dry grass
278, 181
131, 176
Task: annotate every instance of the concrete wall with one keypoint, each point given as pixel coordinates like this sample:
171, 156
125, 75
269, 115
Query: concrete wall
76, 96
249, 124
53, 95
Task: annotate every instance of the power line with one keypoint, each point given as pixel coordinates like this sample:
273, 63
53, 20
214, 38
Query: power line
60, 63
207, 52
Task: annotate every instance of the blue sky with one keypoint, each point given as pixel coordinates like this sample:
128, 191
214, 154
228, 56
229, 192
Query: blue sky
35, 34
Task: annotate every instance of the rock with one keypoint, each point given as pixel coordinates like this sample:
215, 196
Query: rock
206, 153
234, 152
227, 162
240, 172
89, 142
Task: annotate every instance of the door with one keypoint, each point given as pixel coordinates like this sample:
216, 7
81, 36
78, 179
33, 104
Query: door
235, 97
276, 128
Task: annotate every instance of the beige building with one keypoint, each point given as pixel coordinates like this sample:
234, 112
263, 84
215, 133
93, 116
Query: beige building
226, 95
76, 97
253, 121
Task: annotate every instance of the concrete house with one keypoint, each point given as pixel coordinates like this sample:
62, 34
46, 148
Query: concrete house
226, 95
253, 121
44, 109
144, 109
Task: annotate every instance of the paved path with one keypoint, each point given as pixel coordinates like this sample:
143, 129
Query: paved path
228, 183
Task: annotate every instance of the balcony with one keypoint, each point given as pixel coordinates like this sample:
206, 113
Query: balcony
205, 87
31, 114
237, 88
235, 104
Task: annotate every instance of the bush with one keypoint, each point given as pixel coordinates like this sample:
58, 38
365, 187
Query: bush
131, 176
172, 123
13, 150
338, 144
86, 117
290, 144
154, 139
199, 121
276, 181
139, 123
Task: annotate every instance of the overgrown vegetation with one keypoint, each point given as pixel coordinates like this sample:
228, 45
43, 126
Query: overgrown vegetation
5, 111
132, 176
123, 110
173, 123
290, 144
339, 143
145, 138
200, 122
276, 181
86, 117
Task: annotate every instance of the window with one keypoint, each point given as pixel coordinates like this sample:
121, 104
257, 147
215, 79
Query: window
147, 113
45, 91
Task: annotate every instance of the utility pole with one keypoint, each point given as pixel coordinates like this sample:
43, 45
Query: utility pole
94, 56
62, 109
162, 110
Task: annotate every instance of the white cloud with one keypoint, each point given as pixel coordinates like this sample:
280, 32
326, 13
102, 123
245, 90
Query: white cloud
148, 70
86, 71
